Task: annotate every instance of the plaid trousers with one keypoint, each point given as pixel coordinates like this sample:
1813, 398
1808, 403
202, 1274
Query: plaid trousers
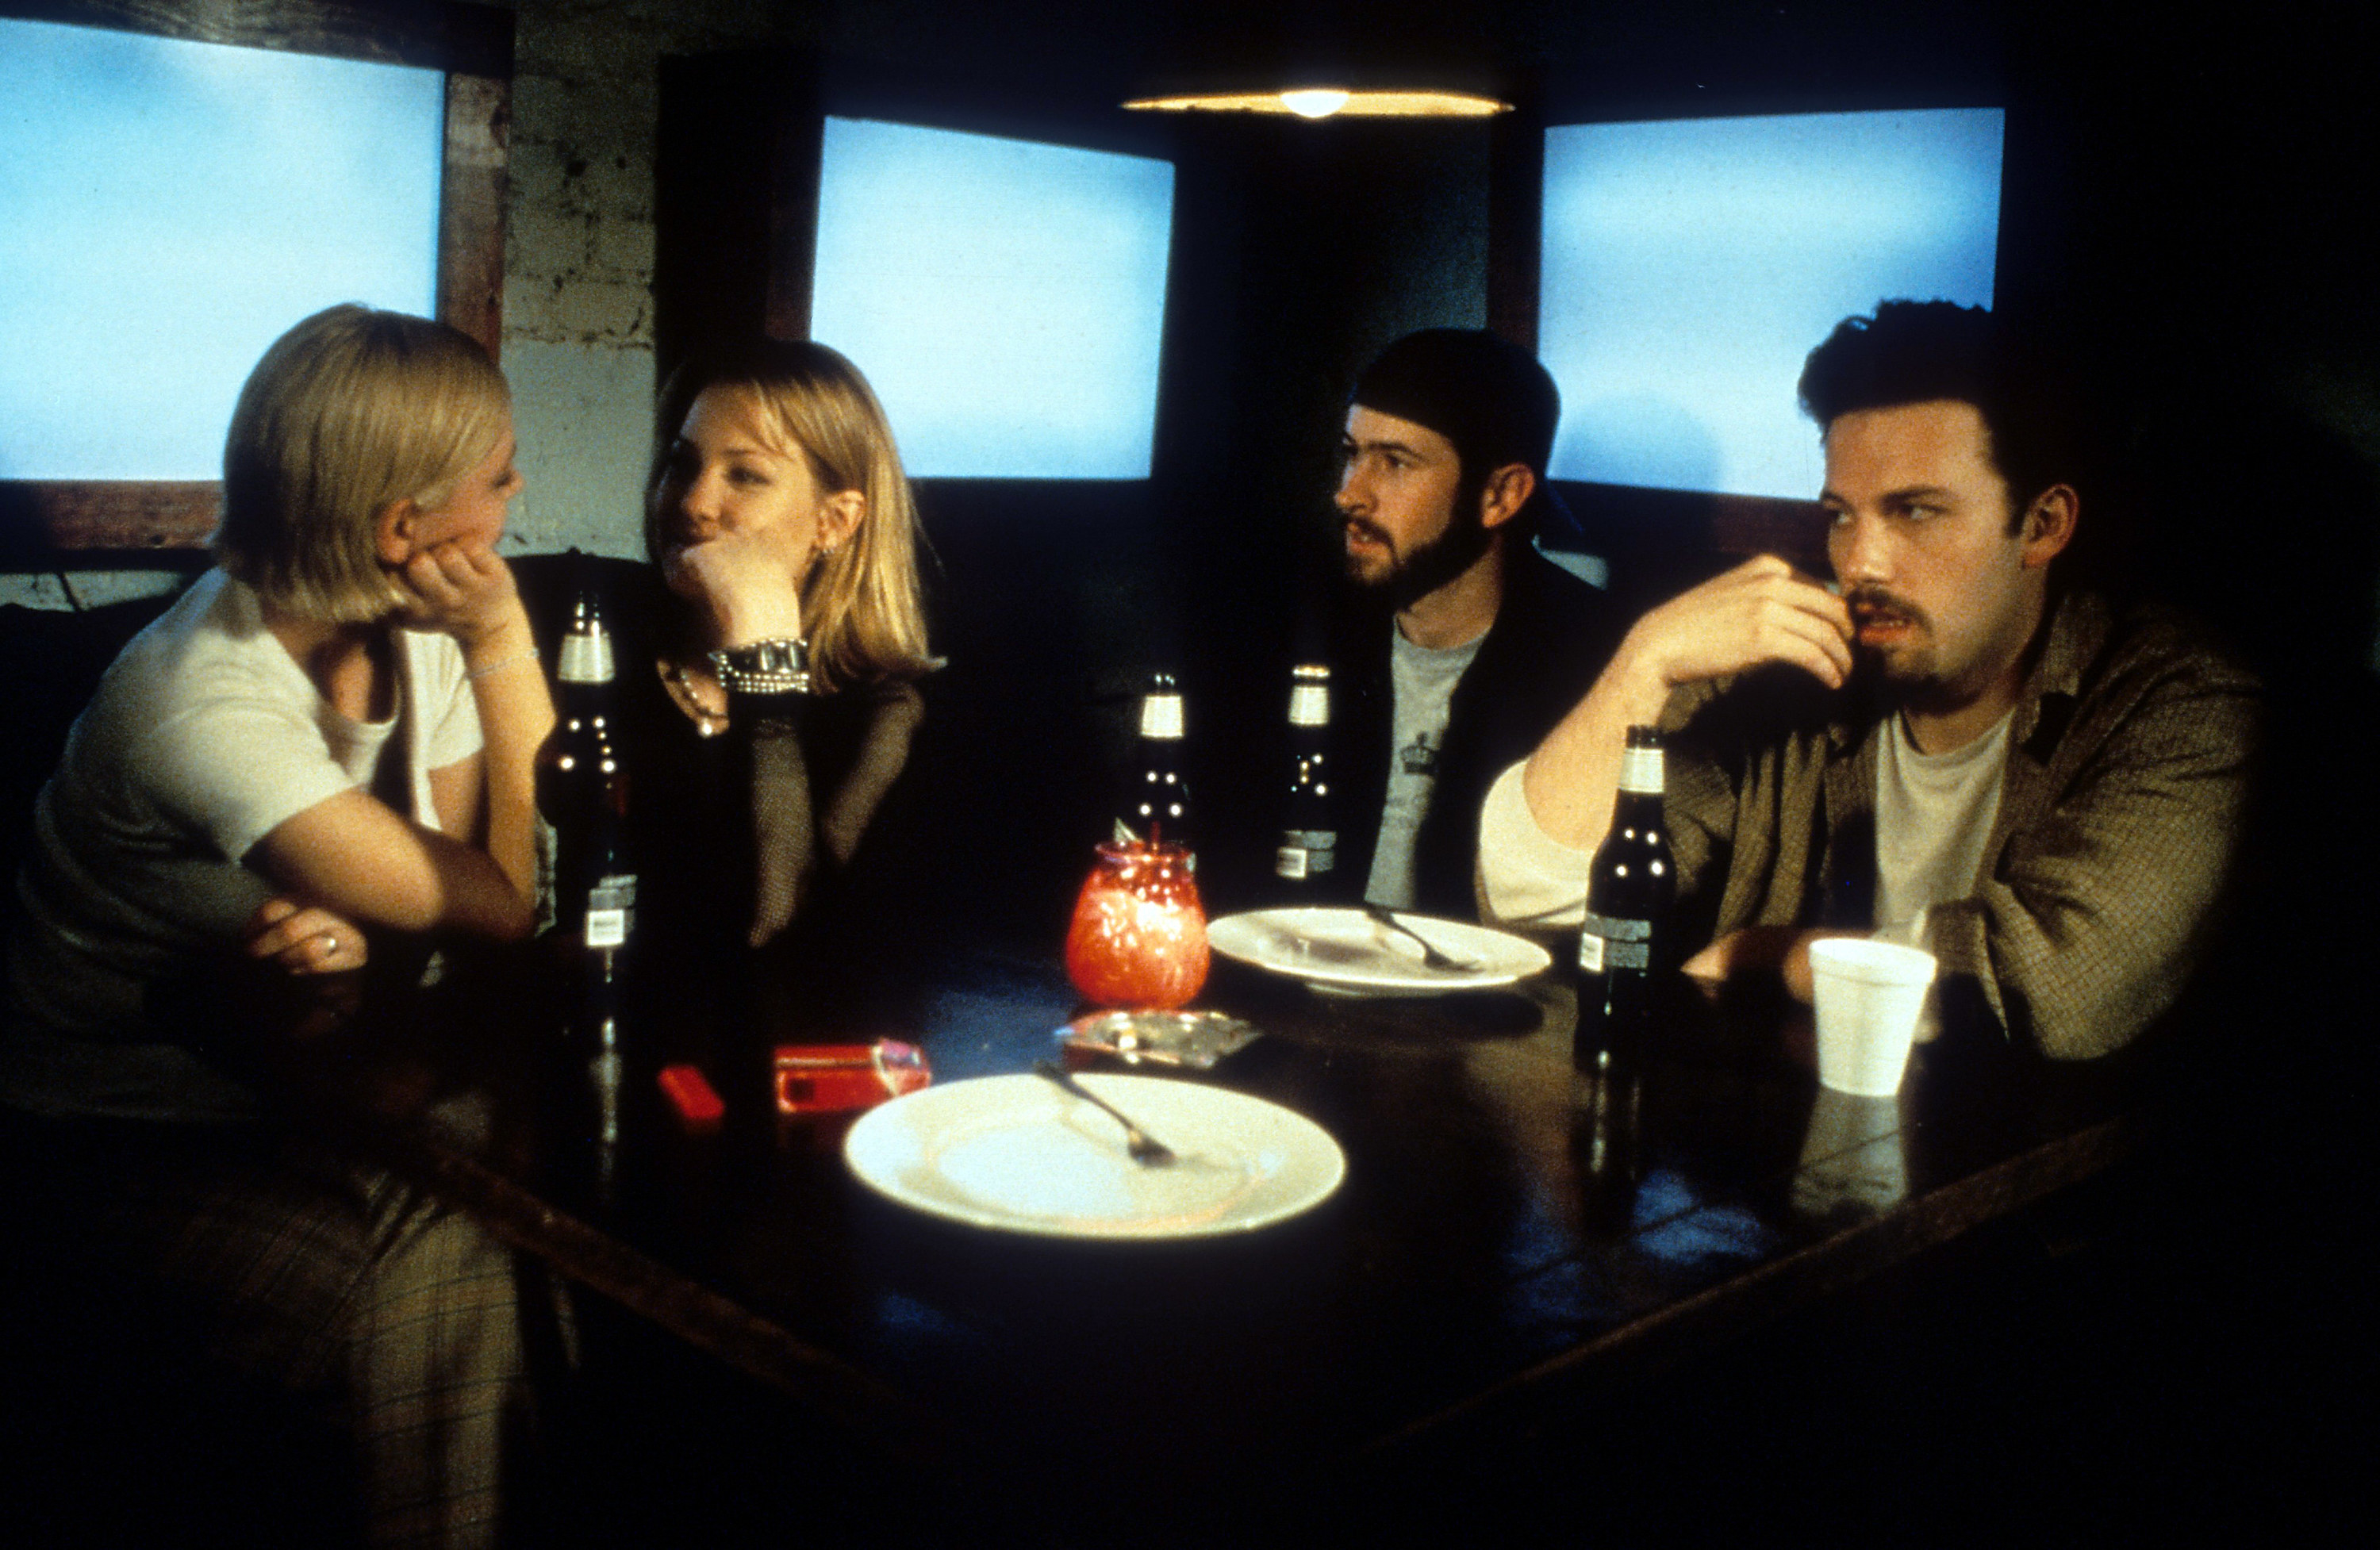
164, 1266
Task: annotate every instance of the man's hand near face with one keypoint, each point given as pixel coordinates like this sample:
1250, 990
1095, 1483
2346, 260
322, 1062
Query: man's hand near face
1761, 611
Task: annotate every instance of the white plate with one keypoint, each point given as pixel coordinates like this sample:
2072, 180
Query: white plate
1348, 948
1018, 1155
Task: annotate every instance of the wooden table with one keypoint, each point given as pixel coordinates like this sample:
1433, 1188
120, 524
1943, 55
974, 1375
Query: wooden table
1507, 1232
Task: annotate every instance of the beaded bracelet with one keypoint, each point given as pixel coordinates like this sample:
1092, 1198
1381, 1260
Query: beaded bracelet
475, 674
764, 666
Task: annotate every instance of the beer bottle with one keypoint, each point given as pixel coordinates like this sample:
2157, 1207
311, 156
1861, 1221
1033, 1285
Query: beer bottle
1628, 894
1309, 835
582, 795
1156, 806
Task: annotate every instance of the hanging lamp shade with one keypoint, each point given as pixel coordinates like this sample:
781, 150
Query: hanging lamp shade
1331, 102
1331, 59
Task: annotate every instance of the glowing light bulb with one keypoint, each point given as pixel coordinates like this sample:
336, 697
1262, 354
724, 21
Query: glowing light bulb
1316, 102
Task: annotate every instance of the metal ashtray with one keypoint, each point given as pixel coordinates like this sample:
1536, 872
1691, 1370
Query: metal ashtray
1197, 1039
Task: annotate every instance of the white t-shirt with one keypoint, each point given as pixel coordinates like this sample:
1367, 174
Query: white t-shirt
1934, 815
1422, 681
204, 736
1530, 880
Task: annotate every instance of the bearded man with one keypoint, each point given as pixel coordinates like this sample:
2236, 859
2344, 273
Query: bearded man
1951, 746
1462, 644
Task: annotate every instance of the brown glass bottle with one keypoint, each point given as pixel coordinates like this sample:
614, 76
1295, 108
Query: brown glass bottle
1628, 895
1156, 806
582, 794
1308, 854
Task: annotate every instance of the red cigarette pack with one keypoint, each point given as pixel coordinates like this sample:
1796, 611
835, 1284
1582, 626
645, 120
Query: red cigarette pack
834, 1078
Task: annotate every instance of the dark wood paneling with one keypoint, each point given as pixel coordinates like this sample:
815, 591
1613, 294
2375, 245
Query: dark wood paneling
1764, 525
1516, 166
735, 199
1660, 541
120, 514
433, 34
472, 208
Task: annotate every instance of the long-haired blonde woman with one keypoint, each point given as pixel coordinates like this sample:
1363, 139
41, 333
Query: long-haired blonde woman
323, 748
791, 638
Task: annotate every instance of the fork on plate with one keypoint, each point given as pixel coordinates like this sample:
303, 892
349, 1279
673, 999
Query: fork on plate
1430, 956
1144, 1148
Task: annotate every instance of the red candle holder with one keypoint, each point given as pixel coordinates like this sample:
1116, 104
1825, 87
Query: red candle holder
1139, 935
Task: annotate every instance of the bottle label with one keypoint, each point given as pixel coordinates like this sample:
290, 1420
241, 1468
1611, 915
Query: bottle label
548, 906
1640, 772
1605, 943
1160, 716
584, 658
1305, 852
1309, 704
611, 910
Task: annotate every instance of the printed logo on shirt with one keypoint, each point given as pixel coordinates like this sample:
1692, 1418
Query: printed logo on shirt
1420, 756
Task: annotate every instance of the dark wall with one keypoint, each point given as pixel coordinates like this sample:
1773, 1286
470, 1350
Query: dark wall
2198, 213
1299, 251
2196, 201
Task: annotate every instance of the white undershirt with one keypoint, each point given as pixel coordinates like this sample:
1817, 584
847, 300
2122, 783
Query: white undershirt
1934, 815
1421, 679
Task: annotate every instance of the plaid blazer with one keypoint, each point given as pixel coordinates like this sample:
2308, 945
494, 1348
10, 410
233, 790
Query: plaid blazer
2121, 813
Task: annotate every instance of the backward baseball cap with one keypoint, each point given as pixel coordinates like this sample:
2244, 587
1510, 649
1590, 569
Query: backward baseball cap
1492, 399
1481, 391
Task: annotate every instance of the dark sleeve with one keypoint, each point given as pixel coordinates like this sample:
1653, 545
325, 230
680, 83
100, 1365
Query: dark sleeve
799, 831
768, 731
883, 749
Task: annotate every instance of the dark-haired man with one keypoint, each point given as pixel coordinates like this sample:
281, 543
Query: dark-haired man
1954, 748
1462, 646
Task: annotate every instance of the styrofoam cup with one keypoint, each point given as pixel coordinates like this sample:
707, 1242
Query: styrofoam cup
1869, 995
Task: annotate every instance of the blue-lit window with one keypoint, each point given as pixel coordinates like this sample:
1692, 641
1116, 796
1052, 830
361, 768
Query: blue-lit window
1005, 297
166, 209
1689, 266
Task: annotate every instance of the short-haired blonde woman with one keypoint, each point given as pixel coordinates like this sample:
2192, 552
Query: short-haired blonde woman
326, 741
790, 637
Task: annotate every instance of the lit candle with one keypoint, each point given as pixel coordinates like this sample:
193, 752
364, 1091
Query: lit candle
1139, 933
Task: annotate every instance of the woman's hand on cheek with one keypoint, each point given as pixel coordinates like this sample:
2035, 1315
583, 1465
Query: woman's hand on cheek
466, 592
749, 583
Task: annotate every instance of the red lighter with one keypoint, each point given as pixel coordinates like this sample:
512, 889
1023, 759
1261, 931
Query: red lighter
832, 1078
698, 1109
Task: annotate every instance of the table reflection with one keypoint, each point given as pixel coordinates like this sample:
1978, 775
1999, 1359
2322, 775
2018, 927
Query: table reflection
1505, 1216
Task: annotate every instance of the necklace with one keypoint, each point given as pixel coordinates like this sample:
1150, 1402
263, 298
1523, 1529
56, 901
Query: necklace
691, 700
